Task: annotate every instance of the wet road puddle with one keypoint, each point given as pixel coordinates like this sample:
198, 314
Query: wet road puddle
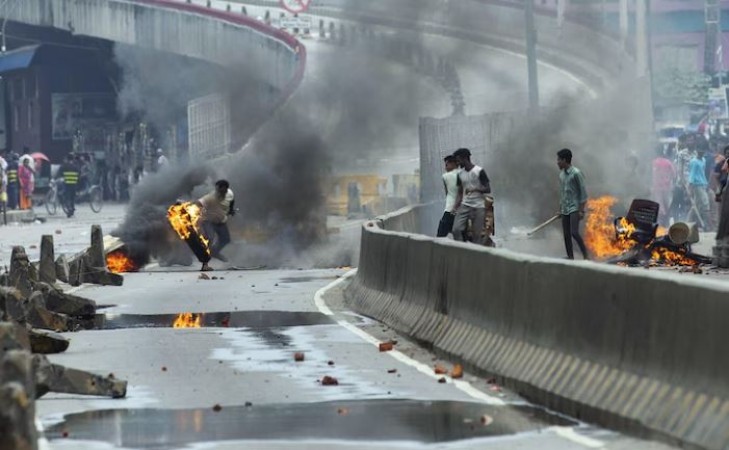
374, 420
234, 319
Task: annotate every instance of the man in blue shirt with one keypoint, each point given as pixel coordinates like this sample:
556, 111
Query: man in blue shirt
572, 201
698, 186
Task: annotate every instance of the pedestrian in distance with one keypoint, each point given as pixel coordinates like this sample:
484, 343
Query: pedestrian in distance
217, 206
13, 186
572, 202
27, 183
473, 185
698, 190
70, 174
450, 186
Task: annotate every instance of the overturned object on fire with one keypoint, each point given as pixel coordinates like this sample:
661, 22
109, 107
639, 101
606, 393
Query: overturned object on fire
184, 217
640, 226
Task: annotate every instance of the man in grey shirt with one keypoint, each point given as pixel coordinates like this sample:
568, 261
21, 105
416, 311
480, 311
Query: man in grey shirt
572, 201
473, 185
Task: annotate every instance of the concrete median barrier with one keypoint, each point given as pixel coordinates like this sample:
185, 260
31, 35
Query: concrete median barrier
639, 351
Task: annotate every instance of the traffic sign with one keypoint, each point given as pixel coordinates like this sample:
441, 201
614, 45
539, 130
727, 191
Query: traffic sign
295, 6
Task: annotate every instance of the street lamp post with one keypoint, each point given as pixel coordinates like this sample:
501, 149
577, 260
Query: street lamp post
531, 44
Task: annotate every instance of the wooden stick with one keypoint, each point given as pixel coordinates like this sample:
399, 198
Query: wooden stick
534, 230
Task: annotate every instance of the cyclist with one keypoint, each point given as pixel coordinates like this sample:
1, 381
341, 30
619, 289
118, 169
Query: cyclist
70, 174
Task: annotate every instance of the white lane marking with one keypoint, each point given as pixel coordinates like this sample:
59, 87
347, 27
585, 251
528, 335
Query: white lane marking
43, 443
461, 385
569, 433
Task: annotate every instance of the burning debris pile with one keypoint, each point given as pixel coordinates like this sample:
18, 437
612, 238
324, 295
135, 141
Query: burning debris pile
622, 241
187, 320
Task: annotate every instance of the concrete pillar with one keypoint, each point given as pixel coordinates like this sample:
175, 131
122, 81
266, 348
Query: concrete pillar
47, 269
623, 12
641, 39
561, 7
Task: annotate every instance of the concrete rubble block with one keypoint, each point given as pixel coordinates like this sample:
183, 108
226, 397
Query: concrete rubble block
47, 267
62, 268
17, 402
56, 378
95, 256
47, 342
13, 337
39, 317
13, 303
100, 276
20, 276
58, 301
74, 271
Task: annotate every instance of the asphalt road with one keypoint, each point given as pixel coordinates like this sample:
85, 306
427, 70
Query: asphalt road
234, 382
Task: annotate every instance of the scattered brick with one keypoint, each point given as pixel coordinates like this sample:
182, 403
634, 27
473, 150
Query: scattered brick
217, 407
441, 380
329, 381
440, 370
457, 371
298, 356
386, 346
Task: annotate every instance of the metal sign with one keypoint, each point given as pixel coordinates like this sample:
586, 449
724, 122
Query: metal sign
295, 6
291, 23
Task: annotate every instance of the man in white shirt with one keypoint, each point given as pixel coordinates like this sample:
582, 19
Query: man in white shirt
450, 186
162, 161
473, 185
216, 207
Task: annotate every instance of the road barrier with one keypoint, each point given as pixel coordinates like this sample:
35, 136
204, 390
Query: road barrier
635, 350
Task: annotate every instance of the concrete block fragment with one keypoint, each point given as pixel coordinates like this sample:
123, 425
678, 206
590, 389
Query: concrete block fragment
20, 271
47, 342
47, 267
62, 268
56, 378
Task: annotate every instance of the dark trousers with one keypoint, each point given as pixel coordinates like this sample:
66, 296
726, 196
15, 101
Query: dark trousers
571, 230
445, 225
13, 195
69, 194
219, 236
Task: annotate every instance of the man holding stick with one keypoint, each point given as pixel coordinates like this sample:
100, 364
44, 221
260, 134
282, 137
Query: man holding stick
572, 201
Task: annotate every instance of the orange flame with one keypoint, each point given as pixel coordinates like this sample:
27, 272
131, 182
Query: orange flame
600, 237
185, 219
187, 320
118, 262
604, 241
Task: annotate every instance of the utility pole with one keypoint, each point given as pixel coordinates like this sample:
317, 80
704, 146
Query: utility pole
623, 22
531, 44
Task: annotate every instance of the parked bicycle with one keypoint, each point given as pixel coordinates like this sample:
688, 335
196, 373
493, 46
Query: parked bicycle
92, 194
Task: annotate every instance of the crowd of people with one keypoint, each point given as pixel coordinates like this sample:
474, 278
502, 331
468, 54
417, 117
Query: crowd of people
688, 179
20, 176
468, 213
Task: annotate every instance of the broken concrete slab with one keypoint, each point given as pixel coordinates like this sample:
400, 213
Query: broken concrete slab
47, 267
58, 301
13, 337
47, 342
62, 268
56, 378
17, 405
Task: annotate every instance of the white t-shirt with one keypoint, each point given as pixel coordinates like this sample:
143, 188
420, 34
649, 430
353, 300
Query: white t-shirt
471, 180
450, 179
215, 209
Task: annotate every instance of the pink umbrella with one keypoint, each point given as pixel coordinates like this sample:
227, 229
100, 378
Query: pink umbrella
39, 155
